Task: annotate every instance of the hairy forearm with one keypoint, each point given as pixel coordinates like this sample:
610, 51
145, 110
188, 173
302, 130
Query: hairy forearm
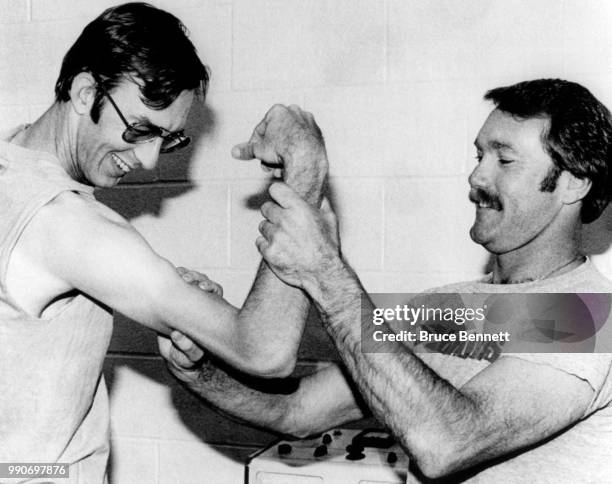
293, 407
307, 179
426, 413
238, 398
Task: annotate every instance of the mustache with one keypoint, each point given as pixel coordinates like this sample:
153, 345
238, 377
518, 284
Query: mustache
480, 195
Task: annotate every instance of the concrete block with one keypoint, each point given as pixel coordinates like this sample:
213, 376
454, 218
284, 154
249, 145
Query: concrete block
131, 337
13, 116
308, 43
411, 129
133, 461
13, 11
210, 29
358, 203
199, 463
246, 199
587, 39
354, 123
450, 40
186, 224
425, 129
85, 11
147, 402
427, 227
32, 59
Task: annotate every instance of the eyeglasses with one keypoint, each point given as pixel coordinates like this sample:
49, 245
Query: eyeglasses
144, 133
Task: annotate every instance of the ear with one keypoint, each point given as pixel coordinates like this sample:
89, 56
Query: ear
82, 92
575, 189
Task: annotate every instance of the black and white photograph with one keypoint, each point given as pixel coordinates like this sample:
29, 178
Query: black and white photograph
228, 228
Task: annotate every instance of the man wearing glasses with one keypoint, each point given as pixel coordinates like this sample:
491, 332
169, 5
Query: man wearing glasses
122, 97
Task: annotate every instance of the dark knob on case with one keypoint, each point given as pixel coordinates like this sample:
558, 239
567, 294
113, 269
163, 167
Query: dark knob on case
320, 451
337, 432
327, 439
284, 449
392, 458
355, 452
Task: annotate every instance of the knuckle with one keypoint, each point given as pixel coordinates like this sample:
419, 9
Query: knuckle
262, 226
277, 109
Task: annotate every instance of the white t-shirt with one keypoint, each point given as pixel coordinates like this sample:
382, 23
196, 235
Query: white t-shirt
580, 454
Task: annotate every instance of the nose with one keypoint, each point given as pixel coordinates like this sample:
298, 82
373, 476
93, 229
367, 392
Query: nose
147, 153
482, 175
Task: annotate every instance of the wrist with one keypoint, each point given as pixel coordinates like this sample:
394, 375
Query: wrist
330, 273
306, 175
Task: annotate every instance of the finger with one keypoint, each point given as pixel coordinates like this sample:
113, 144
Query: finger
271, 211
187, 346
188, 276
297, 111
262, 245
211, 286
266, 229
246, 151
164, 344
263, 151
284, 195
243, 151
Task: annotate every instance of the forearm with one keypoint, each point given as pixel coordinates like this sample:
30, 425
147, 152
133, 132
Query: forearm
293, 407
427, 414
274, 313
271, 323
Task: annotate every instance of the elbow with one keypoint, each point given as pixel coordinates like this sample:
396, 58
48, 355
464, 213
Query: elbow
435, 457
265, 366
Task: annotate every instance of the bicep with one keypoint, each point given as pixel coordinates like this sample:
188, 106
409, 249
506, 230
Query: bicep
107, 259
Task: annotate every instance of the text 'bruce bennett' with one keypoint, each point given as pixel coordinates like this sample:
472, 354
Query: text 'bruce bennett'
427, 337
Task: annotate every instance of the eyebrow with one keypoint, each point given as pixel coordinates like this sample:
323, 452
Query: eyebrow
496, 145
145, 120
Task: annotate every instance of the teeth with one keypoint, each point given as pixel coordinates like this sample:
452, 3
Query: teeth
120, 163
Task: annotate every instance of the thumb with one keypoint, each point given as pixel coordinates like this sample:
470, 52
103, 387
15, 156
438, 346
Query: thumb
260, 150
164, 345
243, 151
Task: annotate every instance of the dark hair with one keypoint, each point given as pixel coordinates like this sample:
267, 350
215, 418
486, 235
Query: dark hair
139, 42
579, 136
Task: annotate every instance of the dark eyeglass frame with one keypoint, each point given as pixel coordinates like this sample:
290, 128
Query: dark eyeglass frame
133, 134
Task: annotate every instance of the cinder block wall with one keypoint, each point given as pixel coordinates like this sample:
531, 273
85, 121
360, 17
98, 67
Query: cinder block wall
396, 86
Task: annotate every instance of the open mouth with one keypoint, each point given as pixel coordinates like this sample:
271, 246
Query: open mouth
120, 163
484, 200
486, 205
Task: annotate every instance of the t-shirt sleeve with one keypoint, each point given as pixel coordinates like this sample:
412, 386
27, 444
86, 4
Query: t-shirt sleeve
594, 368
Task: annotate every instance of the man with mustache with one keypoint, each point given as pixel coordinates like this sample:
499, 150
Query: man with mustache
544, 158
